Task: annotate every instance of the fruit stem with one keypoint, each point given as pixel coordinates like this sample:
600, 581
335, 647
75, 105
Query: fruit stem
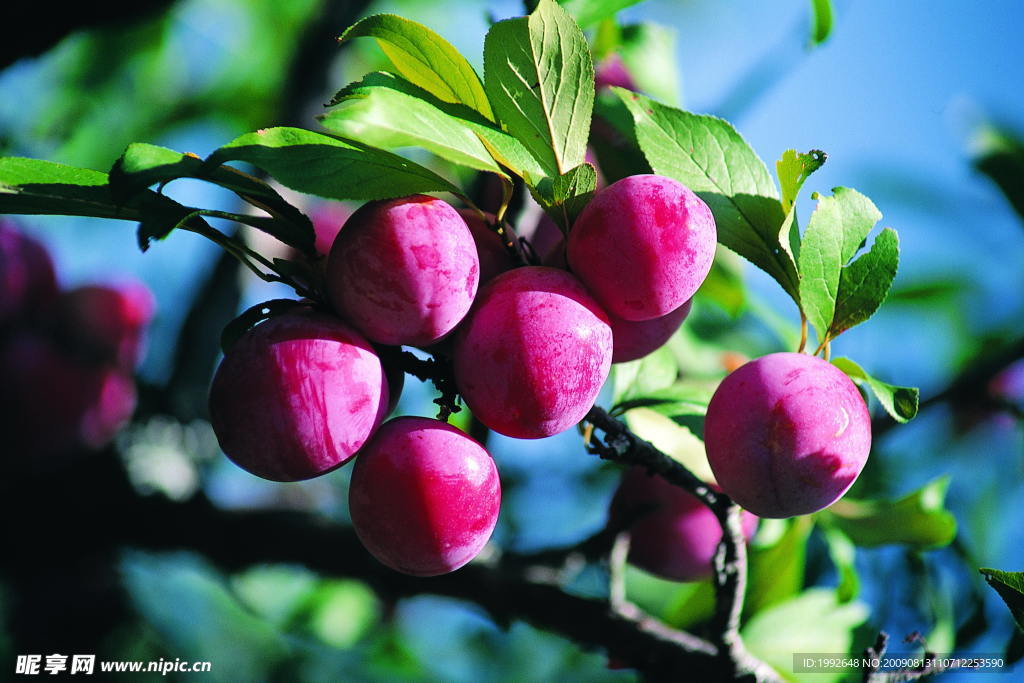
803, 332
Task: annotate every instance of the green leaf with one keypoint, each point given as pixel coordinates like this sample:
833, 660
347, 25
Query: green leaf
1000, 156
590, 12
425, 59
540, 80
638, 378
677, 604
252, 316
1010, 586
919, 519
143, 165
836, 230
565, 196
775, 634
672, 439
777, 562
900, 402
821, 21
682, 399
648, 51
842, 552
387, 118
321, 165
707, 155
865, 283
33, 186
793, 169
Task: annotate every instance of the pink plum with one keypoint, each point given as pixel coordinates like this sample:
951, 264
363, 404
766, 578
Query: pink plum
636, 339
495, 259
643, 246
424, 496
27, 278
612, 71
108, 320
532, 356
674, 535
297, 396
404, 271
787, 434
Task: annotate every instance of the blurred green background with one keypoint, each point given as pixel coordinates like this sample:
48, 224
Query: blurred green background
918, 106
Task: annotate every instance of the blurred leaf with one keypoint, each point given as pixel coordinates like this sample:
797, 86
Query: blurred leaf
672, 439
275, 592
1000, 156
567, 194
540, 80
638, 378
776, 633
900, 402
321, 165
388, 118
918, 519
342, 612
143, 165
648, 51
821, 21
842, 552
685, 397
776, 567
1010, 586
249, 318
590, 12
678, 604
425, 59
707, 155
864, 284
835, 232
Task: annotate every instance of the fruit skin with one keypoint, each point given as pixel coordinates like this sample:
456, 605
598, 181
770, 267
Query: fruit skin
494, 257
674, 535
404, 271
28, 282
424, 496
787, 434
533, 354
297, 396
636, 339
643, 246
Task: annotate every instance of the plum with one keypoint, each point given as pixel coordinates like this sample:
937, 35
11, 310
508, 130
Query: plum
672, 533
642, 246
27, 279
636, 339
108, 320
787, 434
297, 396
424, 496
494, 258
404, 271
533, 354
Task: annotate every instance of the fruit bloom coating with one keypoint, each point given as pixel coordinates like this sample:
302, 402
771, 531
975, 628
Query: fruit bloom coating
424, 496
404, 271
787, 434
674, 535
643, 246
297, 396
533, 354
636, 339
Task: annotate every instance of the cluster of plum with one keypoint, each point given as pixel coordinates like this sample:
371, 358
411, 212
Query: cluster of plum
66, 357
305, 391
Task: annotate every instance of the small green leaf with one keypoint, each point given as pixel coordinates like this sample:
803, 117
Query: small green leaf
251, 317
590, 12
821, 21
566, 195
707, 155
143, 165
918, 519
425, 59
793, 169
540, 80
1010, 586
321, 165
900, 402
865, 283
777, 564
836, 230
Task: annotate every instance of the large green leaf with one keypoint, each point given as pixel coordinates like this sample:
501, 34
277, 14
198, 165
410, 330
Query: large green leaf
540, 80
900, 402
865, 283
425, 58
143, 165
918, 519
1010, 586
707, 155
319, 164
836, 230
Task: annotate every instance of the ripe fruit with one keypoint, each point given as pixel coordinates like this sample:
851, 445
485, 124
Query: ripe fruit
108, 321
297, 396
424, 496
27, 279
643, 246
404, 271
636, 339
494, 257
533, 354
787, 434
674, 535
